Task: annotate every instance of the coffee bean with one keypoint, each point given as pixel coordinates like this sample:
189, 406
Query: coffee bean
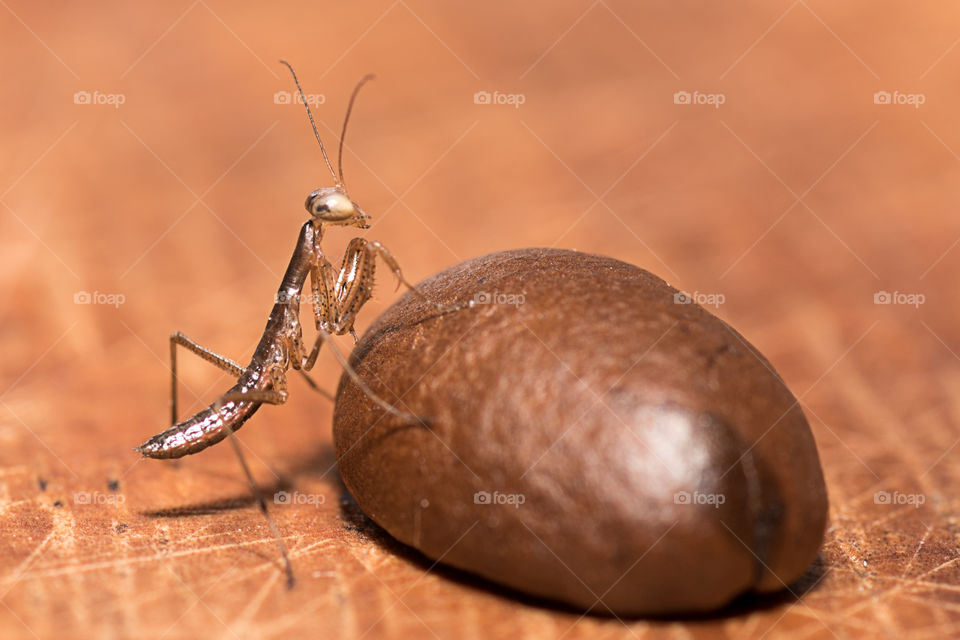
595, 438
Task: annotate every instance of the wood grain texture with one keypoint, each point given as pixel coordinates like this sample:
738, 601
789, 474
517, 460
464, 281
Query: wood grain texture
798, 200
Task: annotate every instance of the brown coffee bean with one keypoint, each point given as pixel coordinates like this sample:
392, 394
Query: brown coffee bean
594, 438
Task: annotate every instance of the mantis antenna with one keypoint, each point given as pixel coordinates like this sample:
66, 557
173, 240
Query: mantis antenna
338, 175
343, 134
323, 149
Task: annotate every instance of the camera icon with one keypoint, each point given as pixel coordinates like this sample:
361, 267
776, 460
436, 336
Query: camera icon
682, 297
482, 497
882, 297
882, 497
882, 97
682, 97
81, 97
482, 97
82, 297
81, 497
282, 97
281, 497
681, 497
483, 297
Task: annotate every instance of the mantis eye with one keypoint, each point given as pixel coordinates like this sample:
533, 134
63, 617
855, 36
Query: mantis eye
332, 207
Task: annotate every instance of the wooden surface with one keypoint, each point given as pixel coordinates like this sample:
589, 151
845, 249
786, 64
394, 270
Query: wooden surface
797, 200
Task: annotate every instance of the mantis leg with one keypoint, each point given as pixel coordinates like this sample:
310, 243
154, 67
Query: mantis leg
313, 385
375, 248
277, 394
221, 362
339, 296
322, 337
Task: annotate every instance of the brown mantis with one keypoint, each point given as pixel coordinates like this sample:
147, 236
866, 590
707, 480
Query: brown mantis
337, 297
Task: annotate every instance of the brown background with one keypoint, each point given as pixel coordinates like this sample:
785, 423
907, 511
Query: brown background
797, 200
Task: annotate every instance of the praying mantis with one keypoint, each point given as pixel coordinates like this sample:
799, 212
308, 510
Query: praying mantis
337, 295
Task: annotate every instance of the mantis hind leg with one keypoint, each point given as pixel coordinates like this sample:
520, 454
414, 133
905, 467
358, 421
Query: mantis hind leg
221, 362
276, 395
